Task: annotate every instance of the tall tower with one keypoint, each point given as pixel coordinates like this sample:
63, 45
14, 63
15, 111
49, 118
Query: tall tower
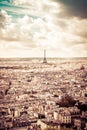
44, 60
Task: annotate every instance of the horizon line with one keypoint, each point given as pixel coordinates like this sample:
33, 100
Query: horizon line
42, 57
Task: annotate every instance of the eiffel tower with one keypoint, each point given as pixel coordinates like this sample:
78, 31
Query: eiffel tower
44, 60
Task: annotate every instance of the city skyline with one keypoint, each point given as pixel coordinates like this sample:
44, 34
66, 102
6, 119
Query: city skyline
29, 27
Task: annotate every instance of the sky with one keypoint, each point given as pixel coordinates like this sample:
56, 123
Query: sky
27, 27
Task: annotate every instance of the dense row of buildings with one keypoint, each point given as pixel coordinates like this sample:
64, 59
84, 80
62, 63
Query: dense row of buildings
69, 117
41, 96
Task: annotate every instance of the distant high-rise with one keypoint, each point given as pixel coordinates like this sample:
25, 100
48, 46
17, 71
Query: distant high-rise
44, 60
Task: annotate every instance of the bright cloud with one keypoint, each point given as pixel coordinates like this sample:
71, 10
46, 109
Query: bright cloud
41, 24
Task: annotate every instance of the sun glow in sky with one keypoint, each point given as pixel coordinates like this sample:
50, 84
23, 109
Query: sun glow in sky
27, 27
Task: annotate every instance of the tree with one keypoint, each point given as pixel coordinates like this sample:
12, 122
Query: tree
67, 101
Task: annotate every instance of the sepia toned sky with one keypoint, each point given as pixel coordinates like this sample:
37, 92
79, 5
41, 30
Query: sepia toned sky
27, 27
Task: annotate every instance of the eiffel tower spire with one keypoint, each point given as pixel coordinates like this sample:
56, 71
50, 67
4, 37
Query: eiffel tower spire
44, 60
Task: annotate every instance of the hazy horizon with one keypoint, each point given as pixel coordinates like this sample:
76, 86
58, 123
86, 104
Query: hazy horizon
26, 58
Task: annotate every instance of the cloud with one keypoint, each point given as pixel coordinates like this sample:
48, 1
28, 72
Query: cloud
4, 18
25, 29
73, 8
49, 24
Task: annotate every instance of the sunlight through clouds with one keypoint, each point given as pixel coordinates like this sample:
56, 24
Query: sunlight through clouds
42, 24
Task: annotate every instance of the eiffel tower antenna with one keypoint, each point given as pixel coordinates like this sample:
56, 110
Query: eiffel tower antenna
44, 60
